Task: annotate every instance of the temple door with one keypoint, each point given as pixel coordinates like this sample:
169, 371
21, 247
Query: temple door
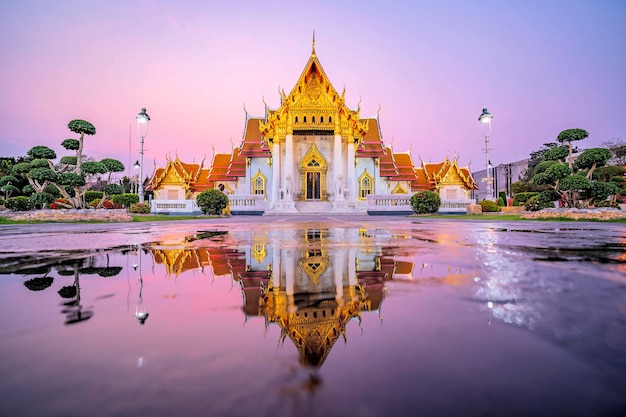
313, 187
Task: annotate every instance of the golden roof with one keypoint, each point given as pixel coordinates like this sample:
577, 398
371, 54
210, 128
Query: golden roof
313, 94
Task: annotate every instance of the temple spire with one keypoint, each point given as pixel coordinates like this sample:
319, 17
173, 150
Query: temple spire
313, 45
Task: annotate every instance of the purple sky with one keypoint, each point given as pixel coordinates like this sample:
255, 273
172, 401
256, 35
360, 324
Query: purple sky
538, 66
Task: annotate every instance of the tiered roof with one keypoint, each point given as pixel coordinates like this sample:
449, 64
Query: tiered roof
253, 145
371, 145
435, 174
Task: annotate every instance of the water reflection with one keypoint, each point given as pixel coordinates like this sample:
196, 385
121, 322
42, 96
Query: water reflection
168, 314
311, 290
72, 308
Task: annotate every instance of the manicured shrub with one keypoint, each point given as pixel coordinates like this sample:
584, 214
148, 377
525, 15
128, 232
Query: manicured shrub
423, 202
502, 195
141, 208
92, 195
537, 202
112, 189
126, 199
501, 202
489, 206
41, 200
520, 198
212, 202
20, 203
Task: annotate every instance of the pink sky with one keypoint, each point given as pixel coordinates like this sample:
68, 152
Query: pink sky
539, 67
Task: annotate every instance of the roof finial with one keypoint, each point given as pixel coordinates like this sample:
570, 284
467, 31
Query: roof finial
313, 44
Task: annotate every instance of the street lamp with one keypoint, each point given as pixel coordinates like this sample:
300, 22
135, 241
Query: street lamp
485, 123
142, 130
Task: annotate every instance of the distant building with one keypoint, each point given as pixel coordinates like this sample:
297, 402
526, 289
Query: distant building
503, 176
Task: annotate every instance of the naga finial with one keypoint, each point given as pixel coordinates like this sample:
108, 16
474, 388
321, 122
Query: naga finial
313, 44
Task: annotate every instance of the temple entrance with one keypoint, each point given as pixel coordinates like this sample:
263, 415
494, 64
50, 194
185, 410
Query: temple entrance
313, 168
313, 186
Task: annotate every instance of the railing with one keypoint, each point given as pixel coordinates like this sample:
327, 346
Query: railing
456, 206
174, 206
389, 204
239, 204
247, 204
401, 204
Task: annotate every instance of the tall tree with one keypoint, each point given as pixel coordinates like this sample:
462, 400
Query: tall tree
570, 135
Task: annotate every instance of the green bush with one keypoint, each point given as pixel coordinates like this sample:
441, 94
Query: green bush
111, 189
41, 200
536, 203
92, 195
549, 197
423, 202
520, 198
141, 208
606, 203
489, 206
126, 199
501, 202
20, 203
212, 202
618, 180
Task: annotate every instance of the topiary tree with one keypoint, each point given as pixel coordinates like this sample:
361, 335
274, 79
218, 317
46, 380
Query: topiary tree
570, 135
212, 202
72, 176
600, 191
423, 202
82, 127
591, 159
558, 153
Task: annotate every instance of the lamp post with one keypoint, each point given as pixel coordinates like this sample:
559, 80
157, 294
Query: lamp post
485, 123
142, 130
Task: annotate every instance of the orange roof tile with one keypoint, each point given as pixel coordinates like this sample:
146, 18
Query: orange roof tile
253, 145
388, 166
406, 169
237, 164
371, 146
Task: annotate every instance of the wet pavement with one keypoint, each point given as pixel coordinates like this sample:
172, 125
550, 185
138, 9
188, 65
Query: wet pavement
313, 316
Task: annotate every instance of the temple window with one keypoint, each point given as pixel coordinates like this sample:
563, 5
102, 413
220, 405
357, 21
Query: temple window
258, 184
304, 118
296, 119
365, 185
313, 119
330, 119
321, 119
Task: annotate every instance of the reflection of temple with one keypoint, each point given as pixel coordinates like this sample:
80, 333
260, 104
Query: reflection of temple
311, 290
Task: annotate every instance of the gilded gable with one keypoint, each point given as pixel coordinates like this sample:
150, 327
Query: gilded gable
172, 177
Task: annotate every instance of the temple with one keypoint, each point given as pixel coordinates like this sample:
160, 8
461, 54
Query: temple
312, 154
